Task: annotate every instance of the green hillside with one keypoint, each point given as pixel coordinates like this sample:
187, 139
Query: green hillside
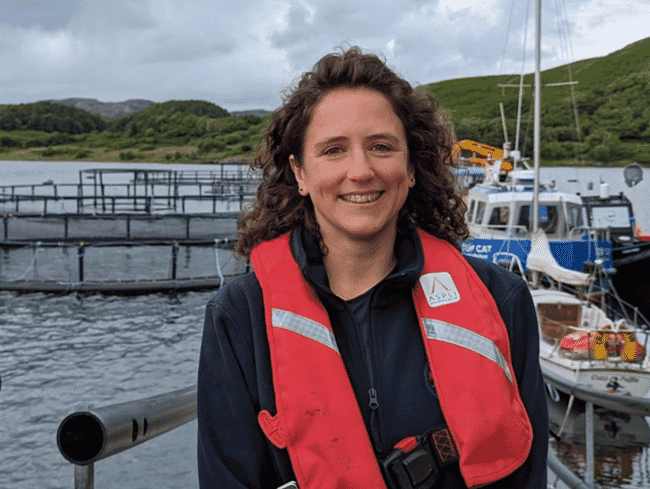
49, 117
179, 131
612, 99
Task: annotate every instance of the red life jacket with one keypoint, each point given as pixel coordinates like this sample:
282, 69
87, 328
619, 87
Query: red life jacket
318, 419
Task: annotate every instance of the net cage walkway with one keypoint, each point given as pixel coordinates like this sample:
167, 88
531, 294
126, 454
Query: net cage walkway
157, 231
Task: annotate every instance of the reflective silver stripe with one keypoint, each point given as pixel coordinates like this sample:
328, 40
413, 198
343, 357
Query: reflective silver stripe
450, 333
305, 327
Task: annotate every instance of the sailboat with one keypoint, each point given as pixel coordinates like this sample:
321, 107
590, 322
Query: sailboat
518, 219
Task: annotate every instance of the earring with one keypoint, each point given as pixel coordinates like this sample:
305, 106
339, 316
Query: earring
300, 189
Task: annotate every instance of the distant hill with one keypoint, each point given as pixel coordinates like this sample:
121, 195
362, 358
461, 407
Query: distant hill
110, 110
49, 117
257, 112
168, 116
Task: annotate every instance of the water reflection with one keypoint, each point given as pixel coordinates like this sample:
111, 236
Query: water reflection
621, 443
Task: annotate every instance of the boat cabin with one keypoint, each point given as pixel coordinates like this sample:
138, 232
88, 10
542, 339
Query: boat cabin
611, 213
504, 210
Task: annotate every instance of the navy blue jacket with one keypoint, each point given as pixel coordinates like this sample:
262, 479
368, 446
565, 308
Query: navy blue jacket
385, 353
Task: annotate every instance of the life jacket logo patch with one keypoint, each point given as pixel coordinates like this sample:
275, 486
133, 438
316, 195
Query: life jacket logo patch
439, 289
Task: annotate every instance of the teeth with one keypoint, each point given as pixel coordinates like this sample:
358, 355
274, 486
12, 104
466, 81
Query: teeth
361, 198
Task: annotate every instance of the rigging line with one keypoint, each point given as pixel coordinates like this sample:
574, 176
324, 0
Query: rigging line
505, 46
566, 46
521, 78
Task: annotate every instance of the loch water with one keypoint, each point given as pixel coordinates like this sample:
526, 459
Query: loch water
60, 350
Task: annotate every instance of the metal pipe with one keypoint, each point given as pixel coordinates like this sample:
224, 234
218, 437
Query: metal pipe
84, 476
568, 477
589, 442
84, 437
537, 113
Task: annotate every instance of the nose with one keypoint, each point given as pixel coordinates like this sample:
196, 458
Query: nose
360, 168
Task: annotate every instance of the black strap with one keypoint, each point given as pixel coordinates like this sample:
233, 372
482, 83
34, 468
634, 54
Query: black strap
416, 461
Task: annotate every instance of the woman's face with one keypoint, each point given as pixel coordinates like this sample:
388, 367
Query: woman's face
355, 165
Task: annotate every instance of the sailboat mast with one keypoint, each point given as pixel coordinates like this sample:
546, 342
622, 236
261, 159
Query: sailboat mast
537, 112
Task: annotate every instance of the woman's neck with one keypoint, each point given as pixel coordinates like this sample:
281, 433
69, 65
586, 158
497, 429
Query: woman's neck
355, 267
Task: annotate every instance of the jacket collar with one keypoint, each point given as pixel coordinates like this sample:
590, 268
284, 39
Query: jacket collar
408, 250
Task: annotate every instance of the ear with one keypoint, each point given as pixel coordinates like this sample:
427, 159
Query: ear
411, 175
299, 173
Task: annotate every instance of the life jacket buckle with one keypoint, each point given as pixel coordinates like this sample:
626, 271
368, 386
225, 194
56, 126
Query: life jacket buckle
416, 461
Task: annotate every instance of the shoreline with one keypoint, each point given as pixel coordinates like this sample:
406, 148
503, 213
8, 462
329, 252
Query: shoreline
247, 160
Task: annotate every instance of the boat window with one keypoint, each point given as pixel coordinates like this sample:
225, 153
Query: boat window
548, 215
480, 212
524, 216
470, 212
574, 214
499, 216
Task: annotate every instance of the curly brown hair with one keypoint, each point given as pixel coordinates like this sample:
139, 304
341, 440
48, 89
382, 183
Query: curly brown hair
433, 204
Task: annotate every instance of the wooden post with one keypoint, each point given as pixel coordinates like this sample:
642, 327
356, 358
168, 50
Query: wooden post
101, 183
80, 254
174, 256
135, 190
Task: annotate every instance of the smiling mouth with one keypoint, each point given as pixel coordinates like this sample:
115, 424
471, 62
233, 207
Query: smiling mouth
361, 198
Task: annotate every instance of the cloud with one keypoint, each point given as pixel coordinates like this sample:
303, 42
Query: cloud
169, 47
45, 14
247, 52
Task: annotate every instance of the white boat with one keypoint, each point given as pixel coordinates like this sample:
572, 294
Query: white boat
507, 207
499, 218
580, 343
582, 339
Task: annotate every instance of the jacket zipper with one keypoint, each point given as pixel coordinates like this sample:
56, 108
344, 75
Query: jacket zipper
374, 419
373, 402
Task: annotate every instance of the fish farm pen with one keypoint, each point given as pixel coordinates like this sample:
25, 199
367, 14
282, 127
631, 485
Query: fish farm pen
124, 231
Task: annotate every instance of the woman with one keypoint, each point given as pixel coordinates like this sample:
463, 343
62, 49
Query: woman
365, 351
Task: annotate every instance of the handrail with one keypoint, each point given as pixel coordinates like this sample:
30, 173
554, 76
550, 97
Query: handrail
86, 436
90, 435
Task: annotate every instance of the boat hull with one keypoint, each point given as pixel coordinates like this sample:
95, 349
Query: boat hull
600, 378
569, 254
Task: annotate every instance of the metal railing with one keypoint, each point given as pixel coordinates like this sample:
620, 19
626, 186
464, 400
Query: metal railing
92, 434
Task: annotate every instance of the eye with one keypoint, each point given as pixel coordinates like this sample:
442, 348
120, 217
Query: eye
381, 148
333, 151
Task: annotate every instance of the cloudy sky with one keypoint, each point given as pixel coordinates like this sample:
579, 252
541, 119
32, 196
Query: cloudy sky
242, 54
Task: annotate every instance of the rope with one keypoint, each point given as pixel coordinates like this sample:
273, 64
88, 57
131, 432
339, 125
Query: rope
31, 265
216, 252
566, 416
